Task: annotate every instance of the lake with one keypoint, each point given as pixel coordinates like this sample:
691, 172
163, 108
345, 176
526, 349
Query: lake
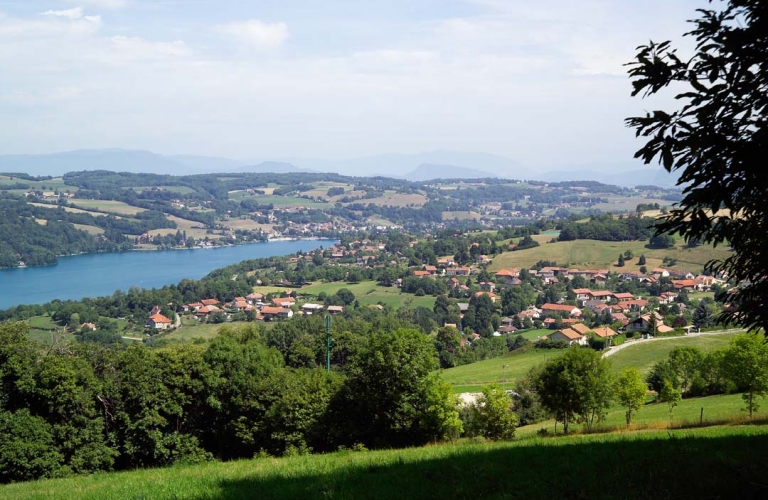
95, 275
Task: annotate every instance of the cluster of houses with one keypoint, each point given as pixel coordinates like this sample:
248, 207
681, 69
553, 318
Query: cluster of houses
276, 308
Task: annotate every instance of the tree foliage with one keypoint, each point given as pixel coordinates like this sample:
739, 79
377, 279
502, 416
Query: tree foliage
717, 141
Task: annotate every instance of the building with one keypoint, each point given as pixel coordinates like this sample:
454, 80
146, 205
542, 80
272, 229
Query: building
561, 308
569, 336
159, 322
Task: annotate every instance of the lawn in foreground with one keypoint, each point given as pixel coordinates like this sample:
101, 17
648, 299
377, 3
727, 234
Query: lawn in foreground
493, 370
717, 462
644, 355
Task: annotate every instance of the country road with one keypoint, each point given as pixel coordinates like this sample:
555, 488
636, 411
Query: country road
639, 341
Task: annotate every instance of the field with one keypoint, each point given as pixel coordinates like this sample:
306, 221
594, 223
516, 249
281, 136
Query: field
246, 224
173, 189
184, 225
193, 329
626, 203
89, 229
277, 201
472, 377
368, 292
643, 355
461, 216
117, 207
604, 254
710, 410
68, 209
715, 462
394, 199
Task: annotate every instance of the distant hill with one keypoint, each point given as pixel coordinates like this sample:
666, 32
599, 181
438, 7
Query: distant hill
207, 163
276, 167
428, 171
119, 160
401, 165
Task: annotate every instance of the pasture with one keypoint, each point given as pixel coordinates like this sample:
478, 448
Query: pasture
109, 206
714, 462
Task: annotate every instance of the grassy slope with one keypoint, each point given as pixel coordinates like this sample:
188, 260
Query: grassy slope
470, 378
644, 355
367, 292
719, 462
604, 254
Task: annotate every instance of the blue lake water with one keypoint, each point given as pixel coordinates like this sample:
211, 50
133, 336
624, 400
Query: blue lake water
95, 275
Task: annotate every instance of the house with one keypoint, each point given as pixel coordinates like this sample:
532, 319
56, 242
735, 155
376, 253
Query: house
569, 336
89, 326
483, 259
660, 273
507, 321
490, 295
506, 329
209, 302
506, 275
432, 270
582, 293
604, 332
667, 297
206, 310
561, 308
453, 283
643, 323
581, 328
333, 310
620, 317
311, 308
531, 313
240, 305
272, 312
254, 297
603, 295
421, 274
623, 296
283, 301
487, 286
458, 271
689, 285
155, 310
159, 322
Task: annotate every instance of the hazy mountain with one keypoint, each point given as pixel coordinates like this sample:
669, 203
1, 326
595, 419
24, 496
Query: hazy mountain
120, 160
625, 174
276, 167
429, 171
201, 164
401, 165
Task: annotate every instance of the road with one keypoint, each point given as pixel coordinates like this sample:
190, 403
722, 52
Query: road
618, 348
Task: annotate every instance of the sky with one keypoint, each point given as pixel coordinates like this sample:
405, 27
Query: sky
540, 82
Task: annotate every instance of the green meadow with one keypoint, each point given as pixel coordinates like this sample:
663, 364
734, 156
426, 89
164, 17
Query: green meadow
715, 462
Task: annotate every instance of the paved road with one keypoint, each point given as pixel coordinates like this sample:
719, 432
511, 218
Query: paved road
615, 349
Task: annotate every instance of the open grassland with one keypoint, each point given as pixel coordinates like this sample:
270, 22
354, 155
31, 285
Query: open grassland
604, 255
49, 185
89, 229
626, 203
644, 354
507, 368
369, 293
68, 209
173, 189
472, 377
110, 206
246, 224
193, 329
461, 216
276, 201
394, 199
715, 462
689, 412
194, 229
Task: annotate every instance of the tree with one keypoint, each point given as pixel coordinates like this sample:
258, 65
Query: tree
630, 391
576, 386
746, 363
662, 241
717, 141
670, 395
493, 415
621, 261
702, 317
641, 260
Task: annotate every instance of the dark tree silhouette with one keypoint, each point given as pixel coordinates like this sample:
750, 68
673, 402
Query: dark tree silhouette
717, 141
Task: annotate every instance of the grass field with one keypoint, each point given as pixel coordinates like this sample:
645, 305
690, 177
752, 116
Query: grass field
604, 254
191, 227
117, 207
277, 201
173, 189
715, 462
710, 410
68, 209
368, 292
472, 377
193, 329
89, 229
461, 216
394, 199
645, 354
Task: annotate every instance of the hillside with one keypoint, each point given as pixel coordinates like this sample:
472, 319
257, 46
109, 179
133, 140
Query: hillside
694, 463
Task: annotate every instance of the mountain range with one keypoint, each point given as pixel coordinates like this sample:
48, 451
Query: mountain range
413, 167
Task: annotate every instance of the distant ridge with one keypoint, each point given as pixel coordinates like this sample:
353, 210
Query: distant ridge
427, 171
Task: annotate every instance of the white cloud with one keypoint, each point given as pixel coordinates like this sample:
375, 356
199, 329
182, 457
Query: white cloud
256, 32
126, 47
71, 14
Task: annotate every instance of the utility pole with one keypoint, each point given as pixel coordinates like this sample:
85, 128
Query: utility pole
328, 341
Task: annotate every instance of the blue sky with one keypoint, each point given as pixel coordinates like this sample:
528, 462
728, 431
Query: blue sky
540, 82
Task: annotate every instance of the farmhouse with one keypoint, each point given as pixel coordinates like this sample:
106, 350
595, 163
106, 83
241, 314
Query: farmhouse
569, 336
605, 333
561, 308
159, 322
